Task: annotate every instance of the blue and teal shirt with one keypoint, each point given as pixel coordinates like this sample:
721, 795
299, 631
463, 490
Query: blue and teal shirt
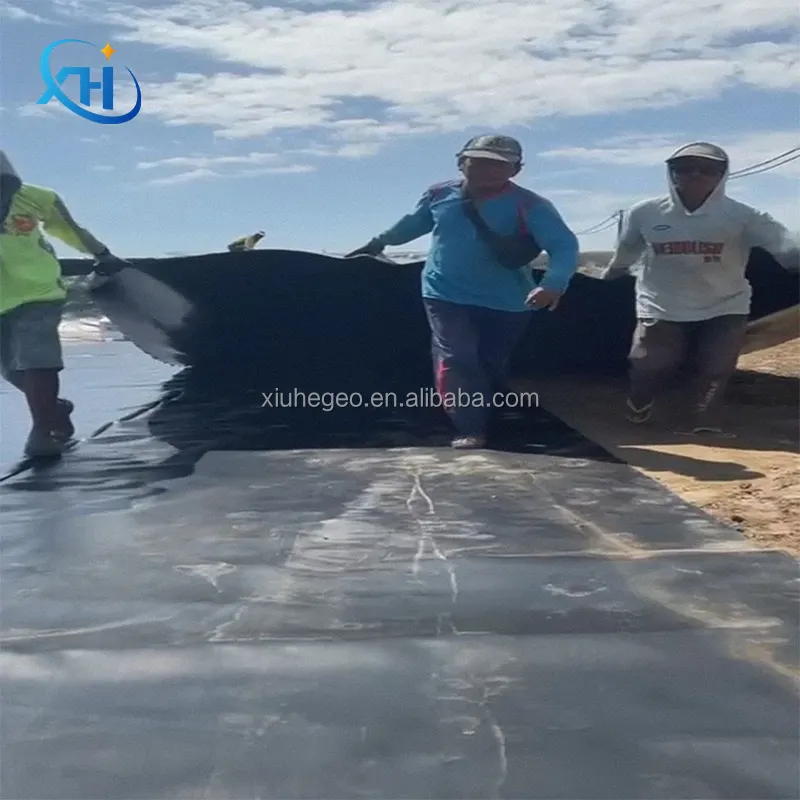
461, 269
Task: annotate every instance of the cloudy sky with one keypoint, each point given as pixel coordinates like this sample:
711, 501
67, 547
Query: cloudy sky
321, 122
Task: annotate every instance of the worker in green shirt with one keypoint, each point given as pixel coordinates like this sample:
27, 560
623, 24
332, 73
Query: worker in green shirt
32, 295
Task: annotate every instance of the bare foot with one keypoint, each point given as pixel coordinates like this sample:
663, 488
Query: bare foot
469, 442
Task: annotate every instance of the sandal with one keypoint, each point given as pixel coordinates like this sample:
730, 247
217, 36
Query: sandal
638, 415
65, 427
712, 430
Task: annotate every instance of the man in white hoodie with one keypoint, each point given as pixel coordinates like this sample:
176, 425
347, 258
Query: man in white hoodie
696, 243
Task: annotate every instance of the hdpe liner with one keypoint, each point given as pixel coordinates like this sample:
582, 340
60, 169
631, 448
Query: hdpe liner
212, 599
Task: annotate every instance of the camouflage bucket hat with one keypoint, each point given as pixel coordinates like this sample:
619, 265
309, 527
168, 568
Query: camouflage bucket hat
496, 147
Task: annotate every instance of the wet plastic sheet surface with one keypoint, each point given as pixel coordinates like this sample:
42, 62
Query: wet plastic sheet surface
186, 618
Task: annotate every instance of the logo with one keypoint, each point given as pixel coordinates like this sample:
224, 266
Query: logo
23, 223
661, 227
87, 85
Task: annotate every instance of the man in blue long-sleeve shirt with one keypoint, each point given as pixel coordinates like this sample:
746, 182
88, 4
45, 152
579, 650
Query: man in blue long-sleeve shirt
477, 308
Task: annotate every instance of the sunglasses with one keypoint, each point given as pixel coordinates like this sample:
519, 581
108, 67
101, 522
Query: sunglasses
699, 167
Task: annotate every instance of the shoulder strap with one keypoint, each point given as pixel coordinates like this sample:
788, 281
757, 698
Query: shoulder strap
472, 212
512, 252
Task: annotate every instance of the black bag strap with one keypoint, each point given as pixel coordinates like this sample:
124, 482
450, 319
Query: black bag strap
472, 212
512, 252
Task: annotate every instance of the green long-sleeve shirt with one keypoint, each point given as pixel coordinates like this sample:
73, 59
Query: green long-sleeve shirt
29, 268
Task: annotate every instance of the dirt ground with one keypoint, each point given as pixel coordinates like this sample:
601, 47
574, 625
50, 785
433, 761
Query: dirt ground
751, 481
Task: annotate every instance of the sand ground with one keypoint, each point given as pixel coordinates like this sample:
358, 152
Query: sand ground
751, 482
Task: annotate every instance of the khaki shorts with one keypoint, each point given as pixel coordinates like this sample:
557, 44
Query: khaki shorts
29, 337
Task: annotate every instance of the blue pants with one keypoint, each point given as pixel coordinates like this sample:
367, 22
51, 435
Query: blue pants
471, 348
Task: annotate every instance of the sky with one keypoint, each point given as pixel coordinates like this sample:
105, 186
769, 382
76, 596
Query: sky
321, 122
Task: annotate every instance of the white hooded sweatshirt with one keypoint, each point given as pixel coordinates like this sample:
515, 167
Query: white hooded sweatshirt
694, 261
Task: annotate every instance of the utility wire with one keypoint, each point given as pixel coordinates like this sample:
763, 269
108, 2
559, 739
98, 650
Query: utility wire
611, 224
608, 222
768, 161
754, 169
758, 169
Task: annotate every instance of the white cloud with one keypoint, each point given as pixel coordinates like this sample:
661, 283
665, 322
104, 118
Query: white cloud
744, 149
316, 79
14, 13
201, 162
195, 167
198, 167
356, 151
184, 177
40, 112
560, 174
365, 75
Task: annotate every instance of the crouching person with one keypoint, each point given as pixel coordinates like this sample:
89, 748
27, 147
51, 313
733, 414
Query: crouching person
32, 295
692, 288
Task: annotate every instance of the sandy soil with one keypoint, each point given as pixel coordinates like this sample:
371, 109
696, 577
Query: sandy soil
751, 482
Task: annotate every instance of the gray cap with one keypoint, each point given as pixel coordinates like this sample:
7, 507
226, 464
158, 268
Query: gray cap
700, 150
494, 146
